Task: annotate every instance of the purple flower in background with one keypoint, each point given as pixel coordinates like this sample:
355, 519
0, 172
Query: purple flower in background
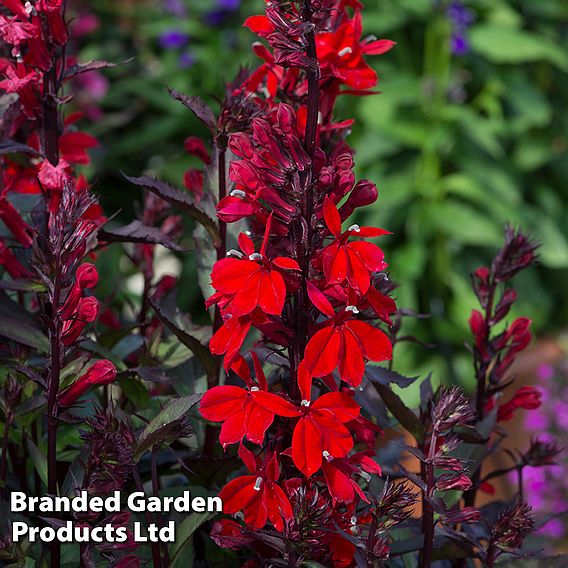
223, 8
186, 60
229, 5
461, 19
175, 8
173, 39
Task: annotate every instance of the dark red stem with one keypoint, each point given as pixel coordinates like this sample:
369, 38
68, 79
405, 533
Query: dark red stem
428, 510
302, 230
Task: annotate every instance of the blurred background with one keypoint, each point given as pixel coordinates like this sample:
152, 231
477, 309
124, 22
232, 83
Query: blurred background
469, 132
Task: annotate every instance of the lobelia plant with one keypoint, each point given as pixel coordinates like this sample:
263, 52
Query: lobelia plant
289, 424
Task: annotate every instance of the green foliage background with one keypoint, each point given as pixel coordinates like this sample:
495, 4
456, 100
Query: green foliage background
457, 145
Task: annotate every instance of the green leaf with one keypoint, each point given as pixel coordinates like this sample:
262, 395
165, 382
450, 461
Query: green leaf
39, 460
19, 325
184, 532
502, 44
400, 411
161, 425
189, 340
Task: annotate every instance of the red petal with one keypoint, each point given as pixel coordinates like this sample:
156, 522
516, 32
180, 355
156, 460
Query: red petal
378, 47
245, 243
248, 297
331, 216
358, 274
304, 381
248, 458
339, 484
258, 421
307, 446
259, 25
369, 232
233, 428
322, 352
237, 493
376, 344
278, 505
260, 376
275, 404
232, 209
272, 293
286, 263
351, 363
370, 465
229, 275
371, 255
219, 403
337, 440
319, 300
337, 405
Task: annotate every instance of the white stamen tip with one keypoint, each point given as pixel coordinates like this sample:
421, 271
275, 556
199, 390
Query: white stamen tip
248, 233
257, 483
255, 256
327, 455
238, 193
355, 228
353, 309
365, 476
345, 51
234, 252
254, 389
305, 403
353, 520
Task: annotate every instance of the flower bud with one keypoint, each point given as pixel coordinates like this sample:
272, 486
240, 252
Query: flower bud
196, 147
101, 373
449, 482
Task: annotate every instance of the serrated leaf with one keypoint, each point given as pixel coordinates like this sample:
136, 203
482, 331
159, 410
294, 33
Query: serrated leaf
400, 411
19, 325
160, 426
179, 199
386, 376
199, 108
137, 232
189, 340
94, 65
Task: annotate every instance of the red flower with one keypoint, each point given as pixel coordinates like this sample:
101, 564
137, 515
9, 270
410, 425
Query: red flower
195, 147
320, 432
244, 412
338, 474
53, 177
525, 397
351, 261
86, 277
258, 496
341, 54
252, 282
343, 343
101, 373
86, 312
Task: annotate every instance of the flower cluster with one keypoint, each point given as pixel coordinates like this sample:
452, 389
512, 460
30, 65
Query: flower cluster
309, 287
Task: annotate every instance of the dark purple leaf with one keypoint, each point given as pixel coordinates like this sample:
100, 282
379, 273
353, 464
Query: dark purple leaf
136, 232
198, 107
385, 376
11, 147
179, 199
91, 66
